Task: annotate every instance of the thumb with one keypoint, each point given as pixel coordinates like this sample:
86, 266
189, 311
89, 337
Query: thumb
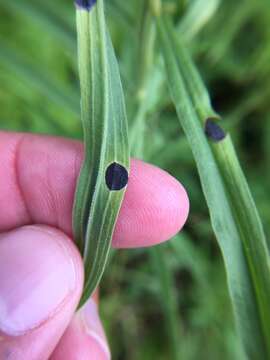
41, 277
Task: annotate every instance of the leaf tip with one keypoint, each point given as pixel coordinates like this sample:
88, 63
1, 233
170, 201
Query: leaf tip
213, 131
116, 176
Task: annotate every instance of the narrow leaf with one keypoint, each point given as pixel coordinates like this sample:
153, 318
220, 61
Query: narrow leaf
33, 77
104, 173
40, 15
233, 213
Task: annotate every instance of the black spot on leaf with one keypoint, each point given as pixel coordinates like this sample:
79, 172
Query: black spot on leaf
214, 131
116, 176
85, 4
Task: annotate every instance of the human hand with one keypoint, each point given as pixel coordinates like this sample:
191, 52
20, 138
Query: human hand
41, 272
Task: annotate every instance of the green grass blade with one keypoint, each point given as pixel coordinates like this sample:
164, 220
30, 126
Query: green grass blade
197, 15
39, 14
146, 80
168, 300
233, 214
33, 77
104, 121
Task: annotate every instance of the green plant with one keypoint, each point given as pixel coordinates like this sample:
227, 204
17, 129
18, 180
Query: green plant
228, 41
233, 213
104, 173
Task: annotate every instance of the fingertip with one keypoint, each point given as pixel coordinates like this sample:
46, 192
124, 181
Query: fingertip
84, 338
39, 270
40, 287
155, 206
154, 209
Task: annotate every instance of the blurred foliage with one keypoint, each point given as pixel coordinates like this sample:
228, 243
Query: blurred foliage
176, 292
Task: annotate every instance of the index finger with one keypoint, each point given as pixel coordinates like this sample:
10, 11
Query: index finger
38, 178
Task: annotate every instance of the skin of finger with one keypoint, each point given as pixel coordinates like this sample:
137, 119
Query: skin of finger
155, 206
40, 342
76, 344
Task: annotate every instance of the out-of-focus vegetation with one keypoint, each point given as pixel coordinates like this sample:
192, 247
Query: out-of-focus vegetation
171, 301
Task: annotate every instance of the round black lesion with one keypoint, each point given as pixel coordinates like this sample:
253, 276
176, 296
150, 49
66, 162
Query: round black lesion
85, 4
116, 177
213, 131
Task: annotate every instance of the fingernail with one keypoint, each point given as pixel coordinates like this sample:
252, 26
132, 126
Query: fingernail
36, 276
93, 327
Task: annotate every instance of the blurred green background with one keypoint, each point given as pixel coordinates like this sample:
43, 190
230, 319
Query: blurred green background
170, 302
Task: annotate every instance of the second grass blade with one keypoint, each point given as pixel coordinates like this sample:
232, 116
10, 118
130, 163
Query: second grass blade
233, 213
104, 173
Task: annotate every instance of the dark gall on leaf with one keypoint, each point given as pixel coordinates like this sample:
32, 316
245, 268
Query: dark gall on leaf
85, 4
116, 176
214, 131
